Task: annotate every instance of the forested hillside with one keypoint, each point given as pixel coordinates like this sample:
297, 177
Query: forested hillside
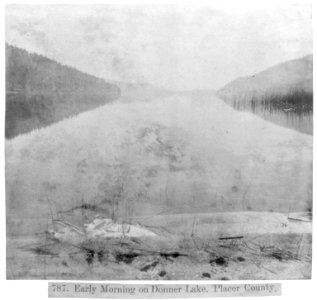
282, 94
40, 91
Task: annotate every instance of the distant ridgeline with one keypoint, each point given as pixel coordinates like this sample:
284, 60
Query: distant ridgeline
282, 94
40, 91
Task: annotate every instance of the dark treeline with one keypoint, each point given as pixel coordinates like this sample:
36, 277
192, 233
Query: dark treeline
298, 101
40, 91
293, 109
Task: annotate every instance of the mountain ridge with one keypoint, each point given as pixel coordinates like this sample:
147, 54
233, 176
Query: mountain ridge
41, 91
298, 71
282, 94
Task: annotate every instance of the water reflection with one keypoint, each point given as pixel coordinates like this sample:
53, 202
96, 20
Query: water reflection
293, 110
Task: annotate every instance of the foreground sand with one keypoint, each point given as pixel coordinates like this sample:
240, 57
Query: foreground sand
220, 246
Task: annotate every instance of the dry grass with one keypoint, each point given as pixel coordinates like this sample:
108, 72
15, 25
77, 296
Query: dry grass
244, 260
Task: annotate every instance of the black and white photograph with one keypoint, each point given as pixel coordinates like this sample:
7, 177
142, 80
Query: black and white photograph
158, 142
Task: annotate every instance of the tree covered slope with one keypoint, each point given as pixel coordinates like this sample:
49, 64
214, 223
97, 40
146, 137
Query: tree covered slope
282, 94
40, 91
291, 75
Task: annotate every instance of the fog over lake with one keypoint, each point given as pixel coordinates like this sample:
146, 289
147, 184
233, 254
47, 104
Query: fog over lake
187, 47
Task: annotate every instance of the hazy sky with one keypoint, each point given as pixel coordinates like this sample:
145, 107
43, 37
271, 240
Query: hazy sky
176, 47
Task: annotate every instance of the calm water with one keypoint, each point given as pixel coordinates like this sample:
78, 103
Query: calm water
300, 120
